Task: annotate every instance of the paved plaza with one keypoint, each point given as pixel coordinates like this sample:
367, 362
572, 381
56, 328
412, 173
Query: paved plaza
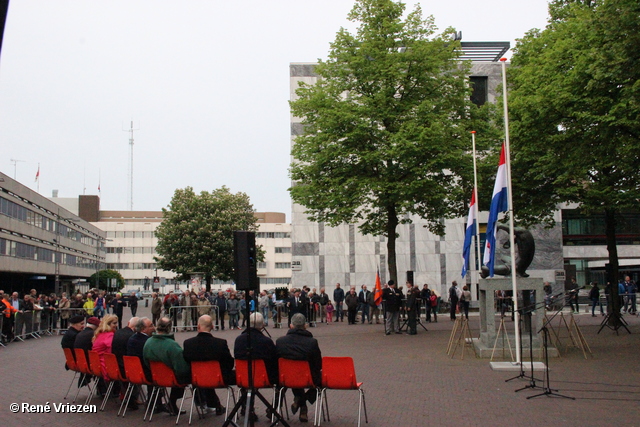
408, 380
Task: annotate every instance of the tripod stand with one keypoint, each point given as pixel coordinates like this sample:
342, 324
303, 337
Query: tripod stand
546, 389
247, 400
405, 325
613, 320
527, 311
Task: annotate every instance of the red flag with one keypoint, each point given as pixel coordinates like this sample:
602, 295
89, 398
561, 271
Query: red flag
377, 296
38, 173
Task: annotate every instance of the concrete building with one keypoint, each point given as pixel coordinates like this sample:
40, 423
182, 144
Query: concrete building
43, 245
326, 255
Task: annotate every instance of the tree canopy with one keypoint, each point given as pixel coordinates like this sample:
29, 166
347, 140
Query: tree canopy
101, 280
386, 126
196, 234
574, 105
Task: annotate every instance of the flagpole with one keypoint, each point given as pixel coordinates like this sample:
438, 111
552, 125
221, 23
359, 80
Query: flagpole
507, 149
475, 192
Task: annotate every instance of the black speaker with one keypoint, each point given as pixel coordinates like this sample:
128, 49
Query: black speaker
244, 260
410, 276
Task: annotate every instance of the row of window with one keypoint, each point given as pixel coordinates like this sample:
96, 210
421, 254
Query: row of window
273, 235
21, 213
132, 266
130, 234
579, 229
131, 250
283, 250
285, 265
36, 253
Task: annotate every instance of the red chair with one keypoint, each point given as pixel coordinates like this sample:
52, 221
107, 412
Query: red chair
113, 371
136, 377
83, 368
260, 377
71, 364
339, 373
208, 374
163, 377
296, 374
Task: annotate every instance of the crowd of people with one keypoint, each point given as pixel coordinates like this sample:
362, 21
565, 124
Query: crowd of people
35, 314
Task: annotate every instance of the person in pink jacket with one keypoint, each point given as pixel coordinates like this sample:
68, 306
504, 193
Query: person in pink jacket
102, 339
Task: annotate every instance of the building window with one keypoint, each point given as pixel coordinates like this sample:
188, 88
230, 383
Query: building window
283, 250
283, 265
479, 89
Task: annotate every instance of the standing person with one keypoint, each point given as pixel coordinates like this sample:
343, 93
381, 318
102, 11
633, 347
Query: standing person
391, 301
118, 304
374, 309
594, 296
329, 309
295, 304
263, 305
156, 307
425, 296
413, 309
100, 305
363, 300
351, 299
233, 307
133, 303
453, 299
299, 344
323, 300
89, 305
338, 299
221, 302
573, 296
465, 300
630, 300
204, 347
162, 347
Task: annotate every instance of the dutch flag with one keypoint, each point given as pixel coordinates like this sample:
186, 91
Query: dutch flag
468, 235
499, 203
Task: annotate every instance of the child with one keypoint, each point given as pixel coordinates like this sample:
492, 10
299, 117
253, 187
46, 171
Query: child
329, 309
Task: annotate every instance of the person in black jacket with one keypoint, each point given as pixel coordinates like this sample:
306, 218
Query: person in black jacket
262, 348
299, 344
203, 347
69, 337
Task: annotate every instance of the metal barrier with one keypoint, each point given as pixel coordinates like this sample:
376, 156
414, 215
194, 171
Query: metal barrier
185, 317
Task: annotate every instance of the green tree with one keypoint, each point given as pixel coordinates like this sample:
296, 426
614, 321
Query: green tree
574, 105
386, 126
196, 234
102, 280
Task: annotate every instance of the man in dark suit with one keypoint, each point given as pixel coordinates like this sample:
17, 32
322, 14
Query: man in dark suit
296, 304
262, 348
203, 347
299, 344
121, 340
135, 347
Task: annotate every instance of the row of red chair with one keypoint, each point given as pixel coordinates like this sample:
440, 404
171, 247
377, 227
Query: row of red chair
338, 373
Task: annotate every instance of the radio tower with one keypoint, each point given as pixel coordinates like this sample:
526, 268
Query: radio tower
130, 130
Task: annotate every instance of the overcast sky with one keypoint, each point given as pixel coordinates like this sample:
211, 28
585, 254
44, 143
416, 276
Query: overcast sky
206, 84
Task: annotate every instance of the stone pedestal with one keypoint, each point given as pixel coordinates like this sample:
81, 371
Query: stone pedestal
489, 321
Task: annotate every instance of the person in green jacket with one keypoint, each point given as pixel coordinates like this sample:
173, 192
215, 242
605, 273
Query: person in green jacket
162, 347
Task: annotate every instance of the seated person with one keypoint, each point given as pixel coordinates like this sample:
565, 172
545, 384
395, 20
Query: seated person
203, 347
299, 344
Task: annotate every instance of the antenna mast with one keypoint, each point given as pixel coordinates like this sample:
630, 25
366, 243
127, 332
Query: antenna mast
130, 130
15, 167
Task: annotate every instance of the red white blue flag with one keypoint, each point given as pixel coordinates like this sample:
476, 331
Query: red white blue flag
499, 203
468, 235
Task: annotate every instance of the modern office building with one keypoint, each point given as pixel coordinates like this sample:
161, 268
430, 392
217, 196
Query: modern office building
43, 245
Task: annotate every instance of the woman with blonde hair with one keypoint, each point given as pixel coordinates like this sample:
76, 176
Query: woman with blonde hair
102, 339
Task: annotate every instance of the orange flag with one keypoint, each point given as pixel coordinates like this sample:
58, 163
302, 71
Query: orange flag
377, 296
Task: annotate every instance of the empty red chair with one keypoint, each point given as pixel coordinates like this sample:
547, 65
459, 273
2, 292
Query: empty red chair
208, 374
339, 373
136, 377
71, 364
297, 374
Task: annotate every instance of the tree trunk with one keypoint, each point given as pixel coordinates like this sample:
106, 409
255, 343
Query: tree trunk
392, 224
614, 300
